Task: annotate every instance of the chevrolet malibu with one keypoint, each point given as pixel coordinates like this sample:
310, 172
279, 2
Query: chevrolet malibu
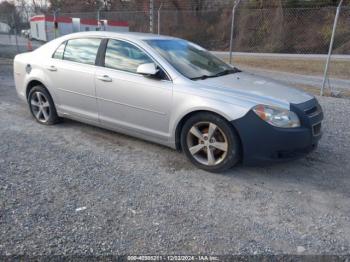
168, 91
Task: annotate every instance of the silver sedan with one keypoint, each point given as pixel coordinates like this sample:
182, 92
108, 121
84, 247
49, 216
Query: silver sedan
169, 91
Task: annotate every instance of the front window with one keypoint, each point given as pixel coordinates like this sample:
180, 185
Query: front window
124, 56
189, 59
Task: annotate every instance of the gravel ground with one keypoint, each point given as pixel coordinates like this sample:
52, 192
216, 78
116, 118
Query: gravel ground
77, 189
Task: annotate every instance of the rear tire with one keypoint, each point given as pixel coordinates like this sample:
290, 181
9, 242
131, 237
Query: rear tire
210, 142
42, 106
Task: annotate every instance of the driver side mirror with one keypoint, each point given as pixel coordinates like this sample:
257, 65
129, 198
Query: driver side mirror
149, 69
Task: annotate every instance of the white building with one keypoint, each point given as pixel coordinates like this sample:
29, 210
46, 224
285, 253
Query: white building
103, 25
87, 24
43, 27
116, 26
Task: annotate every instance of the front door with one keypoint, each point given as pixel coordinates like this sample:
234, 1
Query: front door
129, 100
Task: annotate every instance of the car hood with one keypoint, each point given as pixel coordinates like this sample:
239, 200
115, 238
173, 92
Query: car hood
254, 88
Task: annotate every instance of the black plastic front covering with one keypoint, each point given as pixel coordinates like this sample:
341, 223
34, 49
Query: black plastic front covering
262, 142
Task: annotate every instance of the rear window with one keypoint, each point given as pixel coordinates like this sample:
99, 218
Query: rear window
82, 50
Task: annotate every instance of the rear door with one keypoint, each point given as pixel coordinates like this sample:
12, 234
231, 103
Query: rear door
130, 100
72, 70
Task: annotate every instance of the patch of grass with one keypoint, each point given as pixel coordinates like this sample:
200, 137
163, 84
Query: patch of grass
337, 68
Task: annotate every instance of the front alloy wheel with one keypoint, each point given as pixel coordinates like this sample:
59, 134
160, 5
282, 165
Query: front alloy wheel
207, 143
210, 142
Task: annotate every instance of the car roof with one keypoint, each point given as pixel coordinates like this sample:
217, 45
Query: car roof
125, 35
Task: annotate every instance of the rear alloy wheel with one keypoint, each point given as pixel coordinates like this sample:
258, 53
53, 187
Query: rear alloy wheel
42, 106
210, 142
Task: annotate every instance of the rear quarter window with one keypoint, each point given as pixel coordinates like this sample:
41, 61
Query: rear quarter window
59, 51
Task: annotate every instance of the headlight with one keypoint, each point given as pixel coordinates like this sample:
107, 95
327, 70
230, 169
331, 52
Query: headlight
277, 116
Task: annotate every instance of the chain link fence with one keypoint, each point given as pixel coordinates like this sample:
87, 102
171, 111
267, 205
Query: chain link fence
273, 30
296, 31
303, 35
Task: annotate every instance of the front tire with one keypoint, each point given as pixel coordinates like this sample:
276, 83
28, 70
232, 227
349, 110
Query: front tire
41, 106
210, 142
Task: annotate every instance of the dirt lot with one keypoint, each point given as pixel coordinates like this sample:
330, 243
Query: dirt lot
77, 189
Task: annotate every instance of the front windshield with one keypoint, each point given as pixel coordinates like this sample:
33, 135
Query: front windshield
189, 59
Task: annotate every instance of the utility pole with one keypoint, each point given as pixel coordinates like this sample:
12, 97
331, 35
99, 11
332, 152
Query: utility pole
99, 17
325, 76
15, 30
55, 24
151, 6
232, 27
160, 7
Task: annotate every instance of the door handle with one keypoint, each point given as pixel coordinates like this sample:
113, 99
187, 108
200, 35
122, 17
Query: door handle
52, 68
104, 78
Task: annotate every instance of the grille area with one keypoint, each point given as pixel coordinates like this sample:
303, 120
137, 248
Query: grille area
311, 115
316, 129
313, 111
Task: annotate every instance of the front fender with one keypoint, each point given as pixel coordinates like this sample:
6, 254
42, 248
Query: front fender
185, 104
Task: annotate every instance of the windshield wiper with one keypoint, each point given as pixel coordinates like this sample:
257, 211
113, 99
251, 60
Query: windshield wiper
200, 77
228, 71
225, 72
